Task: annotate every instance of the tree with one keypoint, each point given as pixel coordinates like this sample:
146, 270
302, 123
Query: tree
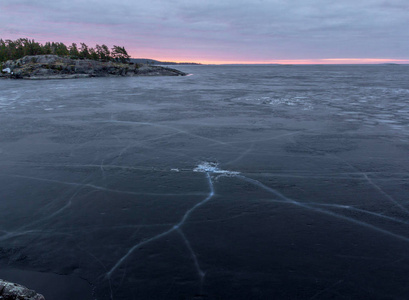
11, 50
103, 52
120, 54
3, 49
73, 50
47, 48
31, 47
84, 52
61, 50
94, 55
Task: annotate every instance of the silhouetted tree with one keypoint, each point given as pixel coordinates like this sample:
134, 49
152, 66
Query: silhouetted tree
11, 50
120, 54
103, 52
73, 50
93, 54
84, 52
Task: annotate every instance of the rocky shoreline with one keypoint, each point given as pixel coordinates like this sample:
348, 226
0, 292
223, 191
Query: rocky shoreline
56, 67
13, 291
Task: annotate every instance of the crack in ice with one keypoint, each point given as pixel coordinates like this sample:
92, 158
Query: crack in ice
384, 193
369, 180
323, 211
100, 188
168, 127
199, 270
176, 227
209, 168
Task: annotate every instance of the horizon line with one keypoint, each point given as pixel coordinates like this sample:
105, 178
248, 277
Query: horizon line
322, 61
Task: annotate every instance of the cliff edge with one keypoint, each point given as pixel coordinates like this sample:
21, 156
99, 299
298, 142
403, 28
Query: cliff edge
56, 67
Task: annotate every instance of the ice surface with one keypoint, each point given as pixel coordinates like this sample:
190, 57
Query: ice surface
233, 183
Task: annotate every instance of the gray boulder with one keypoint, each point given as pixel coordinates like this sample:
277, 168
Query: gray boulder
13, 291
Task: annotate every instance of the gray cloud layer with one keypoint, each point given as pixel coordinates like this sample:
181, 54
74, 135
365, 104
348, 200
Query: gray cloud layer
229, 29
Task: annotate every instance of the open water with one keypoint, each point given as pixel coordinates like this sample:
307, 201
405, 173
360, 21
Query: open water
237, 182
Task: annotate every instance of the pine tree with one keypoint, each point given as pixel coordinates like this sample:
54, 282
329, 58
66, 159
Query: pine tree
120, 54
11, 50
73, 50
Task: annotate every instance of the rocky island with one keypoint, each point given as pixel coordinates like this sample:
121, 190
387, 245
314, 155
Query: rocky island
28, 59
57, 67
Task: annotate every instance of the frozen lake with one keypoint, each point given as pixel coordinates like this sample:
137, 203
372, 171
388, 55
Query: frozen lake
238, 182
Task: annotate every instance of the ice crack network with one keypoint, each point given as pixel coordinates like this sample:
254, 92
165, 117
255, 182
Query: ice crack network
208, 168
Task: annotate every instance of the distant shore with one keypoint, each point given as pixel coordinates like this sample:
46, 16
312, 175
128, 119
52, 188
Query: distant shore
56, 67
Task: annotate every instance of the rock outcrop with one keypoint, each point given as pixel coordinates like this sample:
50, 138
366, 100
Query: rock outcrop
13, 291
55, 67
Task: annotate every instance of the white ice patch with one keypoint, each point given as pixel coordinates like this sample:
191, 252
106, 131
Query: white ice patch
211, 167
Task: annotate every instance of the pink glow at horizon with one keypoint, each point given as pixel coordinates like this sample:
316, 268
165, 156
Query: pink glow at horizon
209, 58
324, 61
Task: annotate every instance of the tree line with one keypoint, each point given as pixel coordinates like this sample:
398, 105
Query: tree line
11, 50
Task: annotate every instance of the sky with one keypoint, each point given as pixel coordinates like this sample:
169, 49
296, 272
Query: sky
222, 31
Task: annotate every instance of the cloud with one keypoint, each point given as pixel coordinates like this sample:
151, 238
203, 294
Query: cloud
243, 29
